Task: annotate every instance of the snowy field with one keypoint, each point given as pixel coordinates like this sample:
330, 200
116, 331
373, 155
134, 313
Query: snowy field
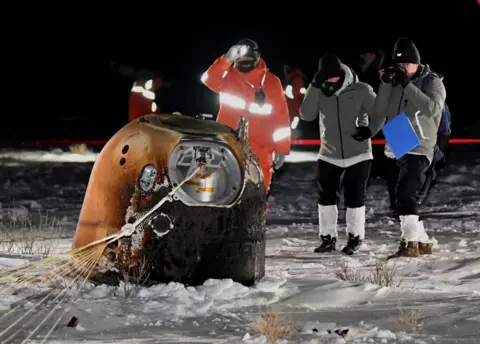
311, 298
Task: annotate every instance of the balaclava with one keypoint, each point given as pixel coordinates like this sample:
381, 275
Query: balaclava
405, 51
249, 61
330, 66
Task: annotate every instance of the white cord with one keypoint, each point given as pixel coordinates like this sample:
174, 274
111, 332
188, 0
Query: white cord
129, 228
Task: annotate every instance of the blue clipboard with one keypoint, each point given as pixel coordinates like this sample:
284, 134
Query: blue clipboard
400, 135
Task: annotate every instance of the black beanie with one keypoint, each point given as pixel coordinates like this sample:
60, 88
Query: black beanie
329, 66
405, 51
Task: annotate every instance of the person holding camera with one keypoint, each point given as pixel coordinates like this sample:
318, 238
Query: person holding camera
401, 91
342, 103
248, 89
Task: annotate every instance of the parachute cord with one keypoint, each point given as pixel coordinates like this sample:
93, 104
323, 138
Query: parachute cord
129, 228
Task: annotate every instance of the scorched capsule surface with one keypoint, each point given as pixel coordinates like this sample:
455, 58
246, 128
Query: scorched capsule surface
212, 227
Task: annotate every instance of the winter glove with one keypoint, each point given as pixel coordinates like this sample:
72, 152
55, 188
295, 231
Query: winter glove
387, 76
401, 78
362, 134
318, 80
235, 52
279, 160
384, 78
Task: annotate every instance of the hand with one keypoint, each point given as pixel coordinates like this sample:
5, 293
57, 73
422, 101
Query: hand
381, 72
401, 78
235, 52
317, 79
362, 134
385, 78
279, 160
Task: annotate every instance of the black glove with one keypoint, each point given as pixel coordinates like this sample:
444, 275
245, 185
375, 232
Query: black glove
389, 74
318, 80
386, 78
362, 134
401, 78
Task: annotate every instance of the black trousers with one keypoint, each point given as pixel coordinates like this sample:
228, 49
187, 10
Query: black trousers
437, 164
405, 181
392, 177
354, 178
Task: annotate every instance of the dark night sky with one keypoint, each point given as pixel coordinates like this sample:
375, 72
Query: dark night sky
70, 76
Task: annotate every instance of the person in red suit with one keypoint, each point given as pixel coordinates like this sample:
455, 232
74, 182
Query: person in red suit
142, 100
247, 89
295, 88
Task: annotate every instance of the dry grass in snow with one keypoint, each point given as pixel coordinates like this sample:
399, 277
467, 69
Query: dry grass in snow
409, 321
132, 281
275, 326
381, 274
21, 235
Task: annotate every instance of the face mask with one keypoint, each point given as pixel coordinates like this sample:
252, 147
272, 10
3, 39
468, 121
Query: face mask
329, 88
245, 66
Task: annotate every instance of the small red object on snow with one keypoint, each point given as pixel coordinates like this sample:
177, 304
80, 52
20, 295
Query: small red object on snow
73, 322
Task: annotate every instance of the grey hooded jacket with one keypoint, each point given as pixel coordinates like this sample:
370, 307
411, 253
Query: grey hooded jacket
339, 116
424, 109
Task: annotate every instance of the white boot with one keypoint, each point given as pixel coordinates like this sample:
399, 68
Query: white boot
410, 227
425, 244
327, 228
422, 234
356, 222
327, 220
412, 231
355, 229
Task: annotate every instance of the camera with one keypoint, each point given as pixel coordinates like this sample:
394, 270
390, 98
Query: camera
390, 73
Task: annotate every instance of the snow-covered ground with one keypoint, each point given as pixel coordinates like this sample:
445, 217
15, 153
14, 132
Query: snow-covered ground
433, 299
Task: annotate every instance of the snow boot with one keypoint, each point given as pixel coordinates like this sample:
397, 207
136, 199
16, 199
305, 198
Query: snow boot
406, 249
328, 244
412, 231
355, 218
425, 248
425, 245
353, 244
327, 227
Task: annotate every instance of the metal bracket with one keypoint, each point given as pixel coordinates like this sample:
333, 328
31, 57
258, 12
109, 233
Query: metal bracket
242, 130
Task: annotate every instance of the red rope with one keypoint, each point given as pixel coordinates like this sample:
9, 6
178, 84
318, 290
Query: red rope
298, 142
313, 142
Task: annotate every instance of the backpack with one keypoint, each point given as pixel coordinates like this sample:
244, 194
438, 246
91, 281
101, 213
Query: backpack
446, 121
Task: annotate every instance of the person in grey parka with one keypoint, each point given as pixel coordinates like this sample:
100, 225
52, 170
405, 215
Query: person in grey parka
402, 90
343, 104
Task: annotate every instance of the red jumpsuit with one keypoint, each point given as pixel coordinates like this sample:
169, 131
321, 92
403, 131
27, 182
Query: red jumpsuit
142, 98
295, 89
269, 125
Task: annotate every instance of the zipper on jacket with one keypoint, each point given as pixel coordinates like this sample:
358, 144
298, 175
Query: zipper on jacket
340, 127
